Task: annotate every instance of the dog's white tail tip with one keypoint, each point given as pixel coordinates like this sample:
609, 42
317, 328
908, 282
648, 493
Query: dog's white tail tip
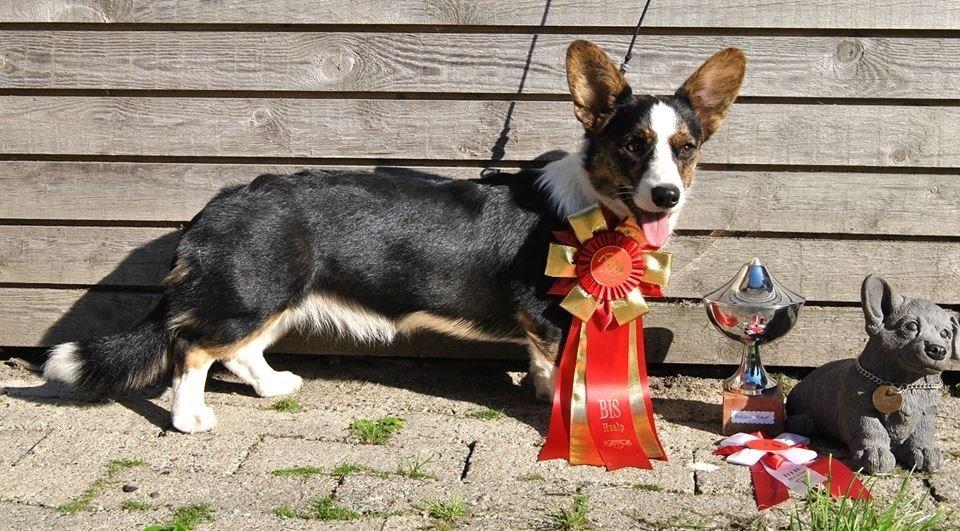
63, 364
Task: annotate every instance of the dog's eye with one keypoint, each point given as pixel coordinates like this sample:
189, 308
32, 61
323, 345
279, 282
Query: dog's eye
687, 149
632, 147
945, 334
912, 326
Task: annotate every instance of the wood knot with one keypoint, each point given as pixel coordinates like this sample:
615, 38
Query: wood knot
262, 116
336, 64
899, 154
849, 52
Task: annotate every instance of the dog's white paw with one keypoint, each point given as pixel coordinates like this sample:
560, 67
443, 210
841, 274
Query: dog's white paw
543, 383
279, 383
196, 421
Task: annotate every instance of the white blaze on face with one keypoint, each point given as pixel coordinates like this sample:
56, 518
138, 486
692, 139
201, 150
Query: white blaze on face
662, 169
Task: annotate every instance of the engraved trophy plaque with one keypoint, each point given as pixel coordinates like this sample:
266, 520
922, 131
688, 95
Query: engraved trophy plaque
753, 309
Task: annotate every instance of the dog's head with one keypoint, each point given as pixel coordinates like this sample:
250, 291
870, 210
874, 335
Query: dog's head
641, 150
916, 335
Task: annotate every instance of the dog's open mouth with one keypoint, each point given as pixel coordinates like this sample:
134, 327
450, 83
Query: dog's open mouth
656, 227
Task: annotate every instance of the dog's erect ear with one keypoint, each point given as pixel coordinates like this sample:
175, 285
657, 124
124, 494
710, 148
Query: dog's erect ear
878, 301
713, 87
956, 332
595, 84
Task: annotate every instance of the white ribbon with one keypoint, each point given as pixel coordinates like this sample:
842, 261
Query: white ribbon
792, 473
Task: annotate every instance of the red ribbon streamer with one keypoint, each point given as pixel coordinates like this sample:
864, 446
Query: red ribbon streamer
618, 441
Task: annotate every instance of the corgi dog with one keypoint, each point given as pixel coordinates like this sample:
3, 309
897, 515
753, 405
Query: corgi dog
372, 255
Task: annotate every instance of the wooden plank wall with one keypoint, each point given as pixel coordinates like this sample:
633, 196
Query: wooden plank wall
119, 119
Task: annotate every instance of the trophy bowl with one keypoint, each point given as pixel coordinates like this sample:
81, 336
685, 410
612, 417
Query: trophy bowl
753, 308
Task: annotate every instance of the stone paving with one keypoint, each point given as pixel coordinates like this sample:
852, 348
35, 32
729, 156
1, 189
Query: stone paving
69, 464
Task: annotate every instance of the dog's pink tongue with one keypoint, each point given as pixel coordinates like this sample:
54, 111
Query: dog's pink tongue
656, 228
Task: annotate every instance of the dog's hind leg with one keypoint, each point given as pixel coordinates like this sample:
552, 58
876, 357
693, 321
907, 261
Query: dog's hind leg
248, 364
189, 412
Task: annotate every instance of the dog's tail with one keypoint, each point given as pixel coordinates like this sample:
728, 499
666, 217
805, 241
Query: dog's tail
113, 364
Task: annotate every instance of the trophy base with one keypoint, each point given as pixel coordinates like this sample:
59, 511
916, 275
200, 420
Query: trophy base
745, 413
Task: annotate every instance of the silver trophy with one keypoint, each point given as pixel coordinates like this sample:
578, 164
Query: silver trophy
753, 309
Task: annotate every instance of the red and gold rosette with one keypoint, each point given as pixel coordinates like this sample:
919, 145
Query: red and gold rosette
602, 412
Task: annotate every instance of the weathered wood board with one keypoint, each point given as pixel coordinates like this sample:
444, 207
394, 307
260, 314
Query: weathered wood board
883, 14
126, 256
847, 135
676, 332
721, 200
782, 66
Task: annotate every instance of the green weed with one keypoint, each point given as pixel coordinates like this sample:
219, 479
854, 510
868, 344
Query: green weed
573, 519
413, 467
904, 513
487, 414
135, 505
287, 405
375, 431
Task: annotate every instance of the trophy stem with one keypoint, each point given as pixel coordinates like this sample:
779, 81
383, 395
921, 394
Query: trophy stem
751, 377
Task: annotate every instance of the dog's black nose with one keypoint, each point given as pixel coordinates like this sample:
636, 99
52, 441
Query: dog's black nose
935, 352
665, 196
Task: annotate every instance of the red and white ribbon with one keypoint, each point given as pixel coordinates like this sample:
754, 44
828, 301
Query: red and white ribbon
785, 463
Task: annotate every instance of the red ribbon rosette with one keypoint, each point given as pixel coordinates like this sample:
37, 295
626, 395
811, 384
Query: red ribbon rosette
786, 463
602, 412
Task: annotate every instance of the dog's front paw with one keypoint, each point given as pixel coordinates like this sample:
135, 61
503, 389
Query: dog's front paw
543, 384
924, 459
279, 383
874, 460
196, 421
932, 459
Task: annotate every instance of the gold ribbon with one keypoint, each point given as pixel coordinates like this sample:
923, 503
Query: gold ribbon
630, 307
656, 267
583, 451
587, 222
638, 406
560, 261
580, 303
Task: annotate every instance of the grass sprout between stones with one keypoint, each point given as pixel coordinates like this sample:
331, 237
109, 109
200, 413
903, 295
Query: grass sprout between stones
135, 505
487, 414
186, 518
285, 511
375, 431
446, 514
327, 509
83, 502
413, 467
904, 513
575, 518
287, 405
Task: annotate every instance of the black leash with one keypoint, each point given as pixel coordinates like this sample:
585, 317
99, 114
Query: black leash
629, 55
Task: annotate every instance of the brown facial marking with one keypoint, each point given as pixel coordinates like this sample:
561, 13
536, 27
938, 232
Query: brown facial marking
714, 86
686, 160
606, 175
595, 84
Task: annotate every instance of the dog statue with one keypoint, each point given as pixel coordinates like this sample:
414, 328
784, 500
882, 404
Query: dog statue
883, 404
